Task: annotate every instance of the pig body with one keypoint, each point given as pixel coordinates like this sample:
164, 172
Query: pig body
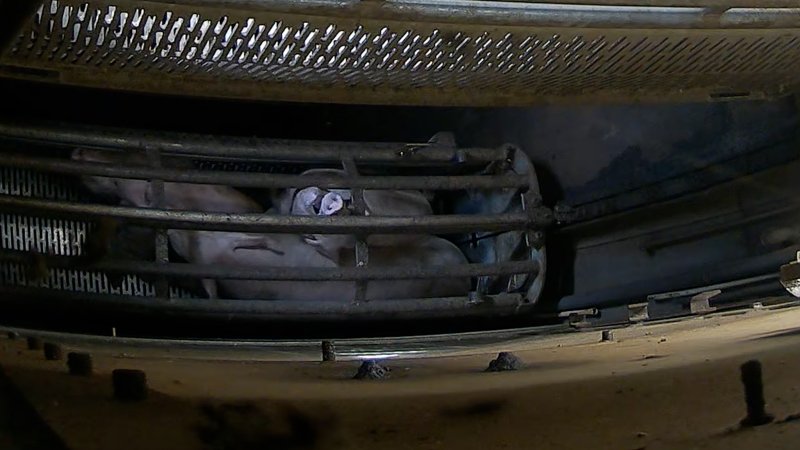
177, 196
286, 250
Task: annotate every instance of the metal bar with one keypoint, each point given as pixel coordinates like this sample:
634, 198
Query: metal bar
641, 3
715, 4
161, 240
261, 180
455, 223
231, 147
362, 249
279, 273
713, 287
283, 350
498, 305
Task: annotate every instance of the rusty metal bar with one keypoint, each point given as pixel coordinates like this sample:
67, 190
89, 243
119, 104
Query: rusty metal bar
668, 3
161, 240
334, 5
455, 223
279, 273
233, 147
362, 249
502, 304
261, 180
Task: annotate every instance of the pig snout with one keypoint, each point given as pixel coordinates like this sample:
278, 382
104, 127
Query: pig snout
331, 204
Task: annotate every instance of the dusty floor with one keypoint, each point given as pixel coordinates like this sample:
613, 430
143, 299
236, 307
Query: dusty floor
667, 386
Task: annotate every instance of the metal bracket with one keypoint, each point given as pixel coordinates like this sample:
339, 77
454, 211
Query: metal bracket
638, 312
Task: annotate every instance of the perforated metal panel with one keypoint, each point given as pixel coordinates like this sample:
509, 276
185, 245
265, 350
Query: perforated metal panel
57, 237
450, 53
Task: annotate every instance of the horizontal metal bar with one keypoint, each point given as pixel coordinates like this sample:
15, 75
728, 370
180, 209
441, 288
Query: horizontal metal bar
274, 223
714, 287
282, 310
720, 4
263, 180
305, 349
351, 273
231, 147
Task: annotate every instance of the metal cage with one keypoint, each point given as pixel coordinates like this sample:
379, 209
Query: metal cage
45, 220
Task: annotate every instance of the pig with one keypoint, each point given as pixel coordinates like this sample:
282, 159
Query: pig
177, 196
378, 202
289, 250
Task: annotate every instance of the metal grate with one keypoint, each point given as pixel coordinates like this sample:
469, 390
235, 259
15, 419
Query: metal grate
55, 237
435, 58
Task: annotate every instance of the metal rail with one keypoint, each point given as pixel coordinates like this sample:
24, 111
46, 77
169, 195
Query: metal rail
275, 223
502, 304
364, 273
262, 180
239, 147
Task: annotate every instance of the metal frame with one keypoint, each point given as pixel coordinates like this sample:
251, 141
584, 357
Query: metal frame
533, 216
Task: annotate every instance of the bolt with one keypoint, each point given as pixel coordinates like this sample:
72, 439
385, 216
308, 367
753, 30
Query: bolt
505, 361
34, 343
129, 385
79, 363
52, 352
13, 335
754, 395
328, 351
371, 370
607, 335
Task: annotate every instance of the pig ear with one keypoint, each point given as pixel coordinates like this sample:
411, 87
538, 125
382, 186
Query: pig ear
258, 243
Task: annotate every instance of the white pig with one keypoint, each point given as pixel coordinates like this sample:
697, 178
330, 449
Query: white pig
177, 196
378, 202
288, 250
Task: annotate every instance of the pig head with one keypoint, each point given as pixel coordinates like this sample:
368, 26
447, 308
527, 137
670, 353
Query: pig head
378, 202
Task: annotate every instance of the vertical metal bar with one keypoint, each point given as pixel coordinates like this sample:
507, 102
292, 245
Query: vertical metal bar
156, 189
362, 250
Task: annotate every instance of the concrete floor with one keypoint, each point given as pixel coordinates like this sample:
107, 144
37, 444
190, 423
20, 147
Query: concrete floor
656, 386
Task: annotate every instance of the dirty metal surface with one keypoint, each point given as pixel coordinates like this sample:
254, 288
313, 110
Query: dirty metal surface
414, 52
664, 386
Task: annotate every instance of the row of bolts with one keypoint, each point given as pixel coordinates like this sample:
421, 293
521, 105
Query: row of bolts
131, 384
